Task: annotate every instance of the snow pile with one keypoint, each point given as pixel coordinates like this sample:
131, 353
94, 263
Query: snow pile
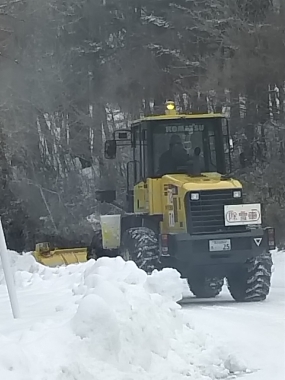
105, 320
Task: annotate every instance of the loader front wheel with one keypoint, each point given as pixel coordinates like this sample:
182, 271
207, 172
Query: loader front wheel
205, 287
140, 245
251, 282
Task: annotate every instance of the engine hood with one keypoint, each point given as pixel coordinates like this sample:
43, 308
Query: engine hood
207, 181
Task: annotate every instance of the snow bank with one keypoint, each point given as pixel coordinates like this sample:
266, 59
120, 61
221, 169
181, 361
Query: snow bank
278, 267
103, 320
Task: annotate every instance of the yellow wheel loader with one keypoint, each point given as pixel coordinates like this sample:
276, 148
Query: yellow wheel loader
183, 209
45, 255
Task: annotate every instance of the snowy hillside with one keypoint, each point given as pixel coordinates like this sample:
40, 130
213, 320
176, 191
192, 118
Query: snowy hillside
104, 320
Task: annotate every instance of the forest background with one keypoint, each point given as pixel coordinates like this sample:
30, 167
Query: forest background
73, 71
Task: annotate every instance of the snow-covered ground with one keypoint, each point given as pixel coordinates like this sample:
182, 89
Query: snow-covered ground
107, 320
256, 331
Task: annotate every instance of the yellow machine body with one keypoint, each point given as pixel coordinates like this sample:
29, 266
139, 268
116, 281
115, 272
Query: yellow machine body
56, 257
165, 196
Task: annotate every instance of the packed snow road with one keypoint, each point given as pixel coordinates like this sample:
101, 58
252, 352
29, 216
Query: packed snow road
255, 330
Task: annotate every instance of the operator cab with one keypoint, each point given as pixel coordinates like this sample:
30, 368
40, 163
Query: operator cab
184, 145
173, 143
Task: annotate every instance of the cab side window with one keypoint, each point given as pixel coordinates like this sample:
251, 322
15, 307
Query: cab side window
137, 156
144, 154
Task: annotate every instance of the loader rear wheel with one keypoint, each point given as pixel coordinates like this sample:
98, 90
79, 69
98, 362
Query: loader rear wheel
140, 245
205, 287
251, 282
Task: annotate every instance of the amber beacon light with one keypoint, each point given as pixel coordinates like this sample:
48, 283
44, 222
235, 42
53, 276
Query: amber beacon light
170, 105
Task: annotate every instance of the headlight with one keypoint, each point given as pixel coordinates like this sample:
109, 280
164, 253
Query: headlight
195, 196
237, 194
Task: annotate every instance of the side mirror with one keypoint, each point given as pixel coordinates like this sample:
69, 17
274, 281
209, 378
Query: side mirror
107, 196
110, 149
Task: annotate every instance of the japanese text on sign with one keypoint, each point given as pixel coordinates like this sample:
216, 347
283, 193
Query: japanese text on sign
243, 214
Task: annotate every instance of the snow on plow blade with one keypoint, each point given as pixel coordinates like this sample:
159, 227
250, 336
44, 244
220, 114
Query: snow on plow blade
52, 258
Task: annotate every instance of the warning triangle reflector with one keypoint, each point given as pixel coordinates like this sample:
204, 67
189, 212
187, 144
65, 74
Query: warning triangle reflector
257, 241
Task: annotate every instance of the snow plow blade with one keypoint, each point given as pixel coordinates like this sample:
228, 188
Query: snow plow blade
56, 257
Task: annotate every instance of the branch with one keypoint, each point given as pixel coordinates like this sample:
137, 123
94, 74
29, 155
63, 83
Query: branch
10, 3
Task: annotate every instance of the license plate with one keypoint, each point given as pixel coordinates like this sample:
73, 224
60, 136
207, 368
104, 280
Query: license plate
220, 245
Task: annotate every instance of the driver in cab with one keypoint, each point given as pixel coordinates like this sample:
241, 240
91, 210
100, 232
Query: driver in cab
176, 156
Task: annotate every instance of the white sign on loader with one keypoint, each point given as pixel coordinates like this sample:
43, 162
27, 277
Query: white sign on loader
243, 214
257, 241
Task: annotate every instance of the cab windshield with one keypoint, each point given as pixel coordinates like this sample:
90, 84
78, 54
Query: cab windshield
176, 145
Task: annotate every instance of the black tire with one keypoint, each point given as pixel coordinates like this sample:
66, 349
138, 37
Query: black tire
140, 245
96, 250
251, 282
205, 287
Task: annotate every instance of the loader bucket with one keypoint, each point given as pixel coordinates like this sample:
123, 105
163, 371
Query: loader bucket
59, 257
